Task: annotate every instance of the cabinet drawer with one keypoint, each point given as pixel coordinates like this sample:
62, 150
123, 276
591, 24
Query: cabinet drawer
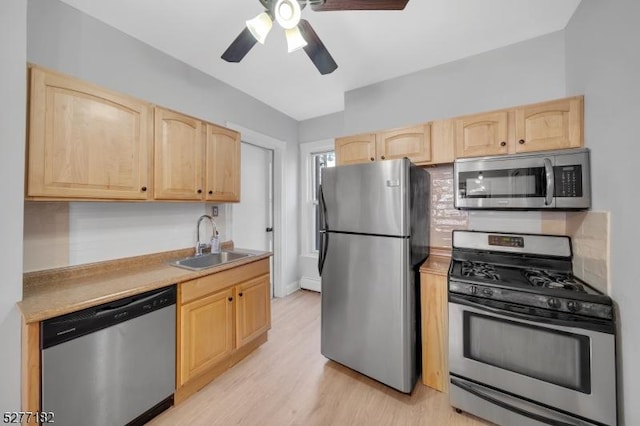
200, 287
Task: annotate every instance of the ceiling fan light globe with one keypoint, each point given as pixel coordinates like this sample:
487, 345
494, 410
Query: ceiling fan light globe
295, 41
288, 13
260, 26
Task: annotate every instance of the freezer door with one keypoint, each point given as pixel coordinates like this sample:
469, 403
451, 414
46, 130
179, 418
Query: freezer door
367, 198
368, 308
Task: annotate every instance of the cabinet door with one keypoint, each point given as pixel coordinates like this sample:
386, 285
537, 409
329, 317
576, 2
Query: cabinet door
412, 142
356, 149
435, 330
482, 134
206, 333
253, 309
550, 125
222, 165
179, 156
86, 142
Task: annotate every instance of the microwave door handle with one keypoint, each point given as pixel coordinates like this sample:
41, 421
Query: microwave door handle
548, 171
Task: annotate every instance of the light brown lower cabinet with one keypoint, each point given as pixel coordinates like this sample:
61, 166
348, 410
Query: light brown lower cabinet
221, 318
435, 329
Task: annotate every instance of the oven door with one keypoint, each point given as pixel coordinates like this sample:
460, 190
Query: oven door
554, 362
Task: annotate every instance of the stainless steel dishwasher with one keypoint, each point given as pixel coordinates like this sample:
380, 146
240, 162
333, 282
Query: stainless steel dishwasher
112, 364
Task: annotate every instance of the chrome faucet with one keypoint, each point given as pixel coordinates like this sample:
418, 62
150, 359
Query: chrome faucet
204, 246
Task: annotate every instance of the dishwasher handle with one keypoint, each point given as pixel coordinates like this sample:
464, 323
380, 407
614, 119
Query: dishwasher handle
129, 302
62, 329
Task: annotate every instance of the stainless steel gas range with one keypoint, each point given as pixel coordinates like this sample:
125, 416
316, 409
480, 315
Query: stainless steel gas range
529, 343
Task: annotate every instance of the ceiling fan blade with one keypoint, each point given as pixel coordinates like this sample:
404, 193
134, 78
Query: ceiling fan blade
316, 50
240, 46
330, 5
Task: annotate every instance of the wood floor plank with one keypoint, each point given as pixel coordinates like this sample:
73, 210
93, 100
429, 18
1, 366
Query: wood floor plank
287, 381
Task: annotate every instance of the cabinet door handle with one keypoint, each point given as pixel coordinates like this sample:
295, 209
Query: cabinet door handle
521, 141
373, 159
382, 157
143, 189
210, 192
503, 143
240, 294
199, 191
231, 299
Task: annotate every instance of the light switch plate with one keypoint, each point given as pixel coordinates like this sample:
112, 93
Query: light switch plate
214, 211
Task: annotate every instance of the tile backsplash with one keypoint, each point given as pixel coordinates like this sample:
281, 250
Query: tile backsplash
444, 217
589, 232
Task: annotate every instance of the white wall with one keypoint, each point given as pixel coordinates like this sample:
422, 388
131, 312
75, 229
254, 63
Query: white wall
522, 73
64, 39
13, 39
603, 62
526, 72
104, 231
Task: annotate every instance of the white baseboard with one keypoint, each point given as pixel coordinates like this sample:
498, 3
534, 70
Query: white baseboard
292, 287
311, 283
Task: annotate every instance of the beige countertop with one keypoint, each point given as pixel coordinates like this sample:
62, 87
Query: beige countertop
60, 291
437, 263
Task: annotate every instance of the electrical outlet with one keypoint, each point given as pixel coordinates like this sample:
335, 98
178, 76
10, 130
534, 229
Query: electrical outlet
214, 211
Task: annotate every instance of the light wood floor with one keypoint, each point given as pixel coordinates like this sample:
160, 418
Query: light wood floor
288, 382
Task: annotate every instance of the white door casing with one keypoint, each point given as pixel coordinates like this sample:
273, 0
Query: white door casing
253, 215
279, 148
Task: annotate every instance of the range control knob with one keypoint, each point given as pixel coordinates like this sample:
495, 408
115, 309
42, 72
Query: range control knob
473, 289
487, 292
574, 306
554, 303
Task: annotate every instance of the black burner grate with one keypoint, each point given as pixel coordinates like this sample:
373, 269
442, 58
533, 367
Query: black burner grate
548, 279
479, 270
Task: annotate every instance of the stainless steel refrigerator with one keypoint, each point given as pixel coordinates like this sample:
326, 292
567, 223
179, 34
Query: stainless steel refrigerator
374, 235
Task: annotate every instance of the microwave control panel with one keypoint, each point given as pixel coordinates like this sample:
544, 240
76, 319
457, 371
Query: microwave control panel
568, 181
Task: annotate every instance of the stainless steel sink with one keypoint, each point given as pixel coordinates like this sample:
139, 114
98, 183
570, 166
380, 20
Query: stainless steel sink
198, 263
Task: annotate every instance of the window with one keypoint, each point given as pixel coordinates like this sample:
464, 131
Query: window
318, 162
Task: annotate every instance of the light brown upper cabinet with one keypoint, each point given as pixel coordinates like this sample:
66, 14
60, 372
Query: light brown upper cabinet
86, 142
222, 164
178, 159
539, 127
413, 142
442, 141
356, 149
195, 160
482, 134
550, 125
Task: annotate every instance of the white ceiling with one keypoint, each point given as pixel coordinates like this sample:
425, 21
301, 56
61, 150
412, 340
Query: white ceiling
369, 46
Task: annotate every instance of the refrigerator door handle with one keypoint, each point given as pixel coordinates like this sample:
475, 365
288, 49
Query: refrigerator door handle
324, 237
324, 243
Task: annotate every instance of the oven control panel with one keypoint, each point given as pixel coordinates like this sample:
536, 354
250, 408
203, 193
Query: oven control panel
531, 299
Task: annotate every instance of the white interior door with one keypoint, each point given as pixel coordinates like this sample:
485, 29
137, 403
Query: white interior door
253, 216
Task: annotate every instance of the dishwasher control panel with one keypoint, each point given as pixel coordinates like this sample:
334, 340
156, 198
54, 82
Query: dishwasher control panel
68, 327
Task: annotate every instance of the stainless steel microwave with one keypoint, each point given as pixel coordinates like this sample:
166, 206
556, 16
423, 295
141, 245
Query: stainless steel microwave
541, 180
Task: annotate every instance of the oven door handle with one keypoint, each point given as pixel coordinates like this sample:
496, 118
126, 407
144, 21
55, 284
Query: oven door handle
478, 392
548, 172
586, 323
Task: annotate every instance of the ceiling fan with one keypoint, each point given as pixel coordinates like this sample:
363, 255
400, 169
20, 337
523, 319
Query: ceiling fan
298, 31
